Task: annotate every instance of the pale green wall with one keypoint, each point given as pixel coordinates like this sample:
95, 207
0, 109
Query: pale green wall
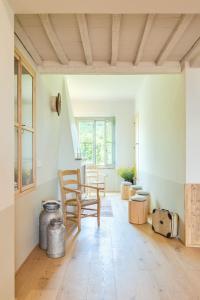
28, 206
192, 78
54, 150
161, 108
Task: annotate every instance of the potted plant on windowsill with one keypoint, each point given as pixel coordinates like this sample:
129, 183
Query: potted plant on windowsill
128, 174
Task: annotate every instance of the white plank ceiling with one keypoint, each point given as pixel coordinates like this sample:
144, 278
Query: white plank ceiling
106, 43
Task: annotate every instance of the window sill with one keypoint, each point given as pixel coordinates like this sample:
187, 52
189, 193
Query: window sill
26, 191
106, 167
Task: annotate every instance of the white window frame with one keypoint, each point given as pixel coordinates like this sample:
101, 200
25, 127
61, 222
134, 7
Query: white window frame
94, 119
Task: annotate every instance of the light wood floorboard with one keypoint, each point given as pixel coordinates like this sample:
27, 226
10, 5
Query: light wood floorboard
117, 261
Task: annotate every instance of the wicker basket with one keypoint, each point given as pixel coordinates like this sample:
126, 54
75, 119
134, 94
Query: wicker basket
138, 209
125, 186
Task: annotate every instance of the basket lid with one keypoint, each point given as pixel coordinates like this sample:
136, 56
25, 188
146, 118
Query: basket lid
139, 198
126, 183
143, 193
136, 187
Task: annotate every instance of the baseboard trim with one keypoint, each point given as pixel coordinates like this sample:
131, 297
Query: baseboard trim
24, 262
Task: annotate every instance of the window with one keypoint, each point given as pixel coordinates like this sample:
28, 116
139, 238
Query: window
96, 136
24, 103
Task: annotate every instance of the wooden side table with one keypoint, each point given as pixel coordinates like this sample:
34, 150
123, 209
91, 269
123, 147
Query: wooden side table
125, 186
138, 210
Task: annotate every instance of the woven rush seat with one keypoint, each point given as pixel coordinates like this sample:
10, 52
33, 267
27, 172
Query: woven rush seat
96, 182
84, 202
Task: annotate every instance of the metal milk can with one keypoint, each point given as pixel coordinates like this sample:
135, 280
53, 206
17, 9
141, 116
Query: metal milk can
51, 210
56, 239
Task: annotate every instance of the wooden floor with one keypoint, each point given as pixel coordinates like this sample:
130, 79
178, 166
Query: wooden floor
118, 261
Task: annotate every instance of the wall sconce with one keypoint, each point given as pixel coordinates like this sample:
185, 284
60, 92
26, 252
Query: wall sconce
56, 104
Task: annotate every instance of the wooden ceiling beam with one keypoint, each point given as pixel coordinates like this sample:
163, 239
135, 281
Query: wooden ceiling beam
99, 67
116, 20
25, 40
192, 53
83, 28
48, 27
147, 29
178, 32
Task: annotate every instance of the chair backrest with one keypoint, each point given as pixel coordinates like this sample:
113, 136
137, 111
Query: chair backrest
92, 173
70, 179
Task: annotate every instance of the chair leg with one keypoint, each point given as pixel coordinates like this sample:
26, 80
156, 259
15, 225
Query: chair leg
79, 217
65, 219
64, 211
98, 213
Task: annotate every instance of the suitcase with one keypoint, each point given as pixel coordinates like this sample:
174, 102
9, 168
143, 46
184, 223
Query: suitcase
165, 223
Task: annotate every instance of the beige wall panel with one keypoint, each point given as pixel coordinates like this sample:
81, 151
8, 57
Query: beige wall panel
7, 253
6, 152
192, 215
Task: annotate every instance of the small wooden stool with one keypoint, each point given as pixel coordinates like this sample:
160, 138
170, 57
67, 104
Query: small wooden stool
133, 189
146, 194
138, 209
125, 190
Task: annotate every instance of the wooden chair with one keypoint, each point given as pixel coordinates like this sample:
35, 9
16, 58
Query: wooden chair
95, 178
72, 193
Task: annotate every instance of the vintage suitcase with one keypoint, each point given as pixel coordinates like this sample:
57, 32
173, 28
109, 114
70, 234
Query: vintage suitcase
165, 222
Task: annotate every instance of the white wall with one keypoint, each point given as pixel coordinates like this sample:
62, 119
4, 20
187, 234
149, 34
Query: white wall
123, 111
161, 109
72, 122
192, 125
6, 152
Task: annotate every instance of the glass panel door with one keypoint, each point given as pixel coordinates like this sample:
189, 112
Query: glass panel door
27, 157
27, 98
16, 169
100, 143
109, 142
86, 138
24, 101
16, 78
